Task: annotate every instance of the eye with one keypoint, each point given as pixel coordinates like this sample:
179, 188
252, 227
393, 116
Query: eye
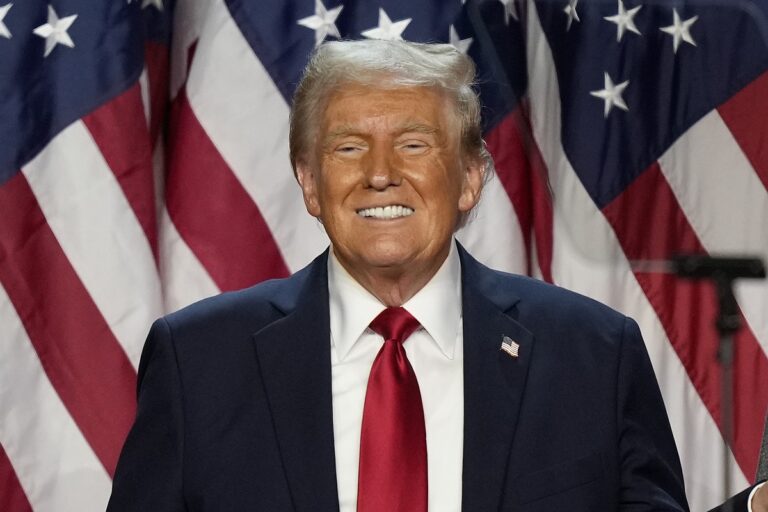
348, 149
414, 147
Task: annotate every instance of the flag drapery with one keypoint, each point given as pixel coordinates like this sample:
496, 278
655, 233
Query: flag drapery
144, 165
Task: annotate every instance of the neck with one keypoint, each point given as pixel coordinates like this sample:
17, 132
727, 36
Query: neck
394, 286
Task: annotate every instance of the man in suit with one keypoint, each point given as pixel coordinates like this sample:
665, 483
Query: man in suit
395, 372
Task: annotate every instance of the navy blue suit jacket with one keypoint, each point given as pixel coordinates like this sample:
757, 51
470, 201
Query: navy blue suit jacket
235, 411
737, 503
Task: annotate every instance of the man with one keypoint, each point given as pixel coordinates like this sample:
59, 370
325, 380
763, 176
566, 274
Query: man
395, 372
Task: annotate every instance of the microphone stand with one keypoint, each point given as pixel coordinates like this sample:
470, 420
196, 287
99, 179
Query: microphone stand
723, 272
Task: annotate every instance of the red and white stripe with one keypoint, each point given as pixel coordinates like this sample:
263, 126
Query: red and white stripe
55, 467
79, 285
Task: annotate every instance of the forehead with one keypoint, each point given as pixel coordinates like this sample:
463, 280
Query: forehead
362, 105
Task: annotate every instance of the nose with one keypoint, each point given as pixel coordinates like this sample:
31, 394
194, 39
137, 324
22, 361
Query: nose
381, 168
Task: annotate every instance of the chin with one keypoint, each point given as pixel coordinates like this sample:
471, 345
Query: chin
379, 259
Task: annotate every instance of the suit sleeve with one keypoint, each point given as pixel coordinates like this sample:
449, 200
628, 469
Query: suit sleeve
148, 474
651, 475
738, 503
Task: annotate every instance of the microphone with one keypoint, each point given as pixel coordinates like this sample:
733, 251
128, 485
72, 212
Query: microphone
722, 271
702, 266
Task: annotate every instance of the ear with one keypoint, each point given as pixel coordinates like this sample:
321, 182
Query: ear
474, 174
308, 180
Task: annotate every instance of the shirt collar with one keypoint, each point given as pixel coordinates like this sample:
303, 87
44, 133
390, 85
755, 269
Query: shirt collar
437, 306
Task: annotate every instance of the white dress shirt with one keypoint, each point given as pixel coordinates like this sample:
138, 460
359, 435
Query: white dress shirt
436, 353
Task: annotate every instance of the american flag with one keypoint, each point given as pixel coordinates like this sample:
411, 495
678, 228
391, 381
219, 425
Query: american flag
144, 165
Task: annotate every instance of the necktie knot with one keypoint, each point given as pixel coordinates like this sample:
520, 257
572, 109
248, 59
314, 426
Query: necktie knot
395, 324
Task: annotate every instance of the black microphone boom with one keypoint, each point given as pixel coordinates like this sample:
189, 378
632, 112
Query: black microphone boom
698, 266
723, 271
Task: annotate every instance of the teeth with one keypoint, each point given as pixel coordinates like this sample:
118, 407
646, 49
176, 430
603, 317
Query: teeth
386, 212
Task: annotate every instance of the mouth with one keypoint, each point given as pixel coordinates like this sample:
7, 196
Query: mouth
394, 211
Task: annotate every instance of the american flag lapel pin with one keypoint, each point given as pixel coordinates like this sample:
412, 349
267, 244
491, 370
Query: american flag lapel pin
510, 346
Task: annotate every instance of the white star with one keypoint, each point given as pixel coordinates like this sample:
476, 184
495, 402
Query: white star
4, 32
612, 95
624, 20
680, 30
570, 10
55, 31
323, 22
460, 44
510, 9
387, 29
157, 3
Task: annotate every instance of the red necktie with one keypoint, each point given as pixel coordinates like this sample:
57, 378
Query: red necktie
393, 441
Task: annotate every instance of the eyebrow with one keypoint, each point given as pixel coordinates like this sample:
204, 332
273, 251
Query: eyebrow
341, 131
347, 130
419, 128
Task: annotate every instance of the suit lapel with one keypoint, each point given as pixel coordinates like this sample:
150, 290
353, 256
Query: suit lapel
295, 364
493, 384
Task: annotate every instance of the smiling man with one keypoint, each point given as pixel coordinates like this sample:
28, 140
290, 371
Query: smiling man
395, 373
389, 181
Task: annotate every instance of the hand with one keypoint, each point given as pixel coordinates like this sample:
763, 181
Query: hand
760, 500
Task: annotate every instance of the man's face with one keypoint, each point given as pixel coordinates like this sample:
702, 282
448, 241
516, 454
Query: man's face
389, 181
